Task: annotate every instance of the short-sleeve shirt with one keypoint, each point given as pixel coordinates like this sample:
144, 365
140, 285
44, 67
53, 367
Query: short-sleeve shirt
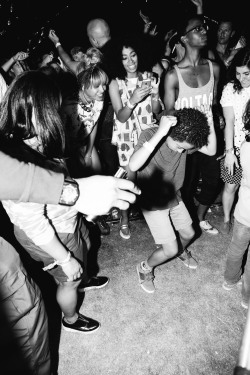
237, 100
161, 177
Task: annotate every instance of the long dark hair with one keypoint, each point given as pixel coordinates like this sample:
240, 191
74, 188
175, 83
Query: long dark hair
242, 58
142, 47
32, 95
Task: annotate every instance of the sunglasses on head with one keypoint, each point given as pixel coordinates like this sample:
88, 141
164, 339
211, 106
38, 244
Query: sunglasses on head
198, 28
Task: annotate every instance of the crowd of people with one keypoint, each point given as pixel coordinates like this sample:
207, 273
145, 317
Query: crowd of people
177, 120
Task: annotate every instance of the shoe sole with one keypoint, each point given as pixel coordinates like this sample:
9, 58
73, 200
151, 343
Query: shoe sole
239, 283
207, 231
77, 331
92, 287
188, 265
244, 305
126, 237
141, 284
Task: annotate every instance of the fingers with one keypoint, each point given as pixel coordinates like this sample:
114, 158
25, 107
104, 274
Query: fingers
125, 185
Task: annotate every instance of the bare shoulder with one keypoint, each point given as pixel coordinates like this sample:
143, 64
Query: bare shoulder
171, 75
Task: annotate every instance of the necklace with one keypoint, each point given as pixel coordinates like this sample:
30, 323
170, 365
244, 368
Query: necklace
85, 106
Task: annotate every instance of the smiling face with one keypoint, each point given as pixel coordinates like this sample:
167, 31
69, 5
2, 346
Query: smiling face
95, 92
129, 61
243, 75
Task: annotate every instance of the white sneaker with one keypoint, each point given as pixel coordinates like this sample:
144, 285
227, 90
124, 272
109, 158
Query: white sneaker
207, 227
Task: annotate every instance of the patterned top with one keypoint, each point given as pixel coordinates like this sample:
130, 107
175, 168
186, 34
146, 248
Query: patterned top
231, 98
79, 119
125, 135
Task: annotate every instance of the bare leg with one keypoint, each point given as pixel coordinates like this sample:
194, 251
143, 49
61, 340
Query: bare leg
66, 297
171, 249
201, 211
228, 196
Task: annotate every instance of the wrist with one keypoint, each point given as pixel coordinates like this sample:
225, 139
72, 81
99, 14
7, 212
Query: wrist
57, 44
65, 260
230, 150
14, 59
130, 105
70, 192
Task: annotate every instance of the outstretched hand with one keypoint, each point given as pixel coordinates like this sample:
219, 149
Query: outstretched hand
98, 194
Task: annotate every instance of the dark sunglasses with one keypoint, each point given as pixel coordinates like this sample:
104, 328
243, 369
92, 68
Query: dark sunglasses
198, 29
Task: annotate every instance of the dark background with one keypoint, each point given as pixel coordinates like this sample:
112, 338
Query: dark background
24, 24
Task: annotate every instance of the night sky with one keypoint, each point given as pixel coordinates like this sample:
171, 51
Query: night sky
24, 24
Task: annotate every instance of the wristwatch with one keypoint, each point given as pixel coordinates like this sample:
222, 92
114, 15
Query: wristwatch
70, 192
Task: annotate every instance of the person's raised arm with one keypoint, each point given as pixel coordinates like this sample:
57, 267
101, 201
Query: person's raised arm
65, 57
199, 6
19, 56
139, 157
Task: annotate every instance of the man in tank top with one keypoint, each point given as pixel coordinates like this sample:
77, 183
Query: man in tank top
193, 83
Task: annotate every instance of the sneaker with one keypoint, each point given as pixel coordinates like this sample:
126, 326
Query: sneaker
82, 324
146, 279
96, 282
103, 226
244, 304
230, 286
188, 260
207, 227
125, 231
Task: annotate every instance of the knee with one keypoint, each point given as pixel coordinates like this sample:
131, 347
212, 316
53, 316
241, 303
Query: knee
170, 250
187, 234
230, 188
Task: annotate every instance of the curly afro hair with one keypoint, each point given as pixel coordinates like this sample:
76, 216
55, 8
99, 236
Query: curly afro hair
192, 127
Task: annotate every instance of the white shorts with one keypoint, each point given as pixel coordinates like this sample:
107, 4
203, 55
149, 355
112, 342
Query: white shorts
163, 223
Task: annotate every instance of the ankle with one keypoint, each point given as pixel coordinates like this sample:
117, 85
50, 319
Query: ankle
71, 319
145, 266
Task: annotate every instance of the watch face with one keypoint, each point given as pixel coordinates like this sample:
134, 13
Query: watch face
70, 193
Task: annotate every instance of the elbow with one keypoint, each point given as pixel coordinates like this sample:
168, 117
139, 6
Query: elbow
212, 151
132, 166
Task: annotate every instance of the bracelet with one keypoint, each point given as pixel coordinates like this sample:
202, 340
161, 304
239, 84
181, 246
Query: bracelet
130, 105
148, 147
57, 263
230, 150
66, 260
58, 44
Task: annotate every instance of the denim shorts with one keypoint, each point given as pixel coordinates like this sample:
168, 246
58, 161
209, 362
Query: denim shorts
161, 222
74, 242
